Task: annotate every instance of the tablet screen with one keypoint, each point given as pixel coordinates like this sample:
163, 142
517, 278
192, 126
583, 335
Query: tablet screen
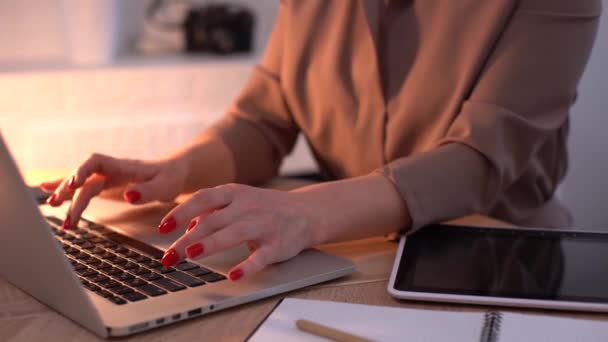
506, 263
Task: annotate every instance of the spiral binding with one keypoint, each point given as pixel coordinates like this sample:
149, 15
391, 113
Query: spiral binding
491, 327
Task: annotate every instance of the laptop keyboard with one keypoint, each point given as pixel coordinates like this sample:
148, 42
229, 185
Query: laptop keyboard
108, 266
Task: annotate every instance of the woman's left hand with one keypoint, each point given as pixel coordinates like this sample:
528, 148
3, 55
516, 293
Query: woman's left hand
276, 226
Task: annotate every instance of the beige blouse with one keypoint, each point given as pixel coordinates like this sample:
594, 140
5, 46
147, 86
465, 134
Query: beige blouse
463, 105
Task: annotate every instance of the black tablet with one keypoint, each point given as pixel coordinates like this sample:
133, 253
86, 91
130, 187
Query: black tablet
515, 267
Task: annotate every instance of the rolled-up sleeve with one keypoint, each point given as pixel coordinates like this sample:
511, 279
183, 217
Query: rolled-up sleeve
258, 127
521, 99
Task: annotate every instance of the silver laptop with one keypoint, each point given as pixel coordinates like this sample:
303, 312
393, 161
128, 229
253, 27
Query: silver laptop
106, 276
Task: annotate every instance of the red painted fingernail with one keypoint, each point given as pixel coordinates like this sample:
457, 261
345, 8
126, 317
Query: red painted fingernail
72, 183
194, 250
132, 196
167, 225
66, 222
191, 225
44, 186
51, 200
170, 258
236, 274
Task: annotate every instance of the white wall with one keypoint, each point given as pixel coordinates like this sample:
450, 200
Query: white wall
585, 189
30, 31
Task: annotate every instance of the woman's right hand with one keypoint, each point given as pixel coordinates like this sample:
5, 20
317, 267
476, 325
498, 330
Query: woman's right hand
145, 181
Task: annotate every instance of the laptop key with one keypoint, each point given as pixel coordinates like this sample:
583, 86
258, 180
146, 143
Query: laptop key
97, 240
141, 259
197, 272
117, 300
129, 265
97, 251
151, 263
165, 270
84, 223
135, 282
151, 276
97, 278
91, 261
111, 257
81, 255
132, 254
97, 228
168, 284
119, 261
108, 256
91, 274
92, 287
102, 266
86, 272
139, 271
87, 245
128, 241
111, 271
122, 250
78, 231
134, 296
212, 277
78, 266
185, 266
71, 251
104, 293
121, 290
87, 235
69, 237
151, 290
79, 242
109, 283
123, 276
185, 279
110, 244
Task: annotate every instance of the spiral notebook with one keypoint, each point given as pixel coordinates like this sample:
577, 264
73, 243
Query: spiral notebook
381, 323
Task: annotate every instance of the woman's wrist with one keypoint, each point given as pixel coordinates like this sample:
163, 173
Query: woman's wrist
354, 208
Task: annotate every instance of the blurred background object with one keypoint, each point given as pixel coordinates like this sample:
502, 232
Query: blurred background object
218, 28
94, 75
203, 27
98, 31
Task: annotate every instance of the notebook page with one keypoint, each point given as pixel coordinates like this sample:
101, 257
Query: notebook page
524, 327
378, 323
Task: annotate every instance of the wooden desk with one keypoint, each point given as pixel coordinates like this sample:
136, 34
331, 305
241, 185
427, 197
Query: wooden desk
22, 318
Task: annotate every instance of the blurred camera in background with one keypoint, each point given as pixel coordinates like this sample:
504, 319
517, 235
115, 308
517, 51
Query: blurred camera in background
220, 28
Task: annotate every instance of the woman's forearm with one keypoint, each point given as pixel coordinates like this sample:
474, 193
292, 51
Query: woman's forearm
355, 208
208, 162
344, 210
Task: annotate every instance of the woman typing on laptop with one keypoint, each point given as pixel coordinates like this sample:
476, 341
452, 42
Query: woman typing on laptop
416, 112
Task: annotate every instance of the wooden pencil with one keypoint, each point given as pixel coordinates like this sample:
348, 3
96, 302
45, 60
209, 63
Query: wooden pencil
328, 332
